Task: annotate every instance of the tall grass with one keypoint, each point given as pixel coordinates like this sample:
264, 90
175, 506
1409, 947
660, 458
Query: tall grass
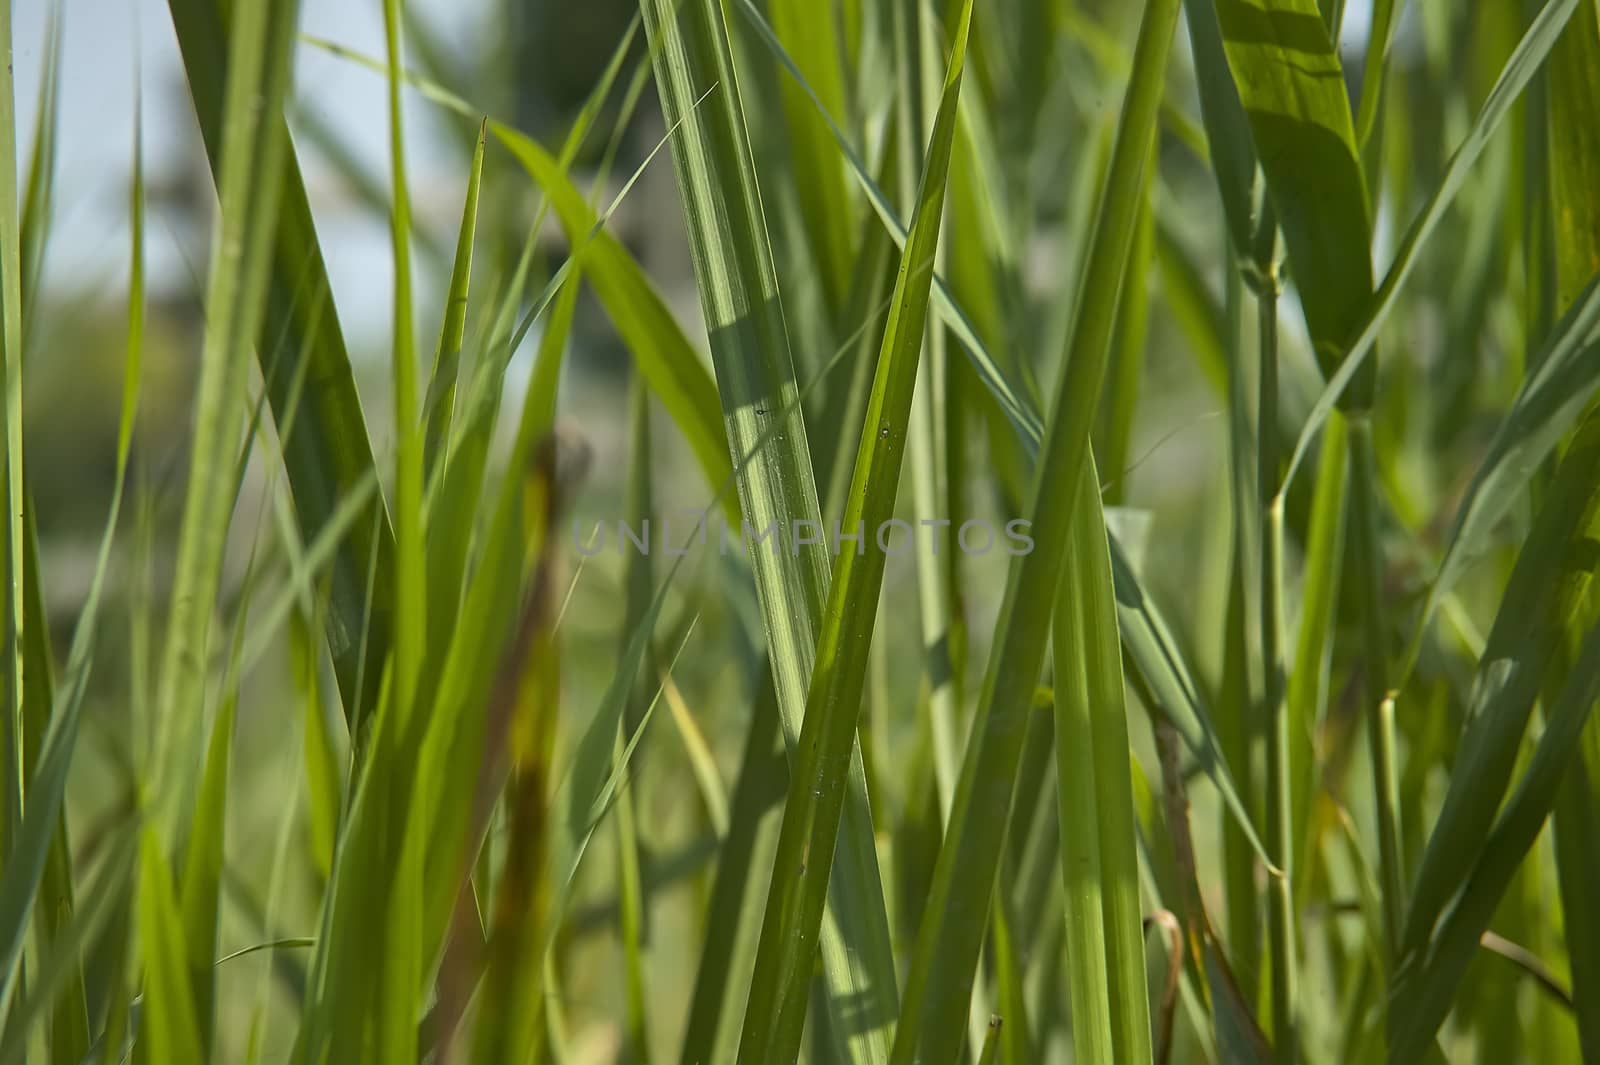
1195, 616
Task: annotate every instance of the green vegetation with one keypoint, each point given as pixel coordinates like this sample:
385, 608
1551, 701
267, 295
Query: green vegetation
1071, 541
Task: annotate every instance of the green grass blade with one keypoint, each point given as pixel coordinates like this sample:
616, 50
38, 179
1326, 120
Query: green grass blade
808, 34
1310, 679
1105, 940
664, 356
1555, 393
1574, 146
1154, 652
198, 899
328, 455
1424, 997
34, 225
168, 1027
755, 377
1291, 86
262, 40
822, 759
1009, 394
738, 893
940, 980
29, 852
1233, 153
1519, 70
439, 407
1577, 846
1574, 93
402, 959
1546, 587
11, 487
1380, 39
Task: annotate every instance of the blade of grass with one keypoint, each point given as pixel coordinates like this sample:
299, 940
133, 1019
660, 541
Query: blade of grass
34, 225
1233, 154
439, 407
28, 853
940, 980
739, 890
823, 757
1424, 998
11, 487
1546, 586
1519, 70
168, 1027
258, 63
1282, 931
401, 963
1105, 939
755, 375
1152, 649
808, 35
329, 454
638, 582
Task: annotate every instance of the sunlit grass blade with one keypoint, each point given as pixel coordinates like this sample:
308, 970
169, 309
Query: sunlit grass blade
744, 317
1381, 33
1309, 681
822, 759
328, 454
1009, 393
1105, 938
940, 980
58, 981
262, 39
